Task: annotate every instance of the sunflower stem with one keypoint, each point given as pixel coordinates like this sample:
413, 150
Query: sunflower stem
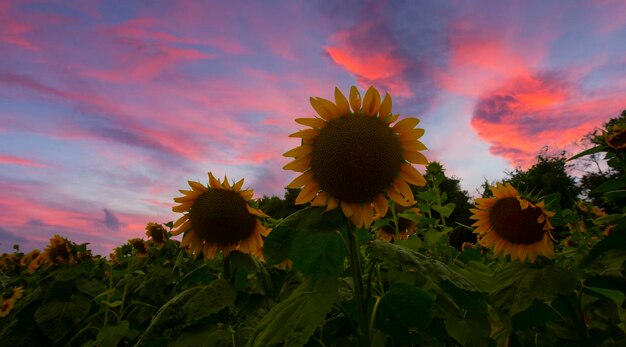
355, 265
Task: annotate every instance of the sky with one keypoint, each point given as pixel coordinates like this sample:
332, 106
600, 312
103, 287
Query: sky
107, 108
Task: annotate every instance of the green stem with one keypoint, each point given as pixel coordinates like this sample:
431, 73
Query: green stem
355, 264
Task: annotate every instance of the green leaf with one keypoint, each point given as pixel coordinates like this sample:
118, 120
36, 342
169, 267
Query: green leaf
610, 185
319, 253
209, 300
90, 287
57, 318
412, 243
403, 311
592, 150
311, 220
410, 215
399, 256
112, 335
615, 295
445, 210
615, 241
112, 304
517, 285
199, 275
203, 337
293, 321
432, 237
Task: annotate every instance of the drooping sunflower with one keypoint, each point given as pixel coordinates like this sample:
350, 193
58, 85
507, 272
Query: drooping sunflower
514, 225
37, 263
354, 157
59, 251
140, 247
218, 217
28, 257
616, 139
406, 227
157, 233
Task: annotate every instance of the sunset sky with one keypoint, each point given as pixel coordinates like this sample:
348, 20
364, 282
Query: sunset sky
107, 108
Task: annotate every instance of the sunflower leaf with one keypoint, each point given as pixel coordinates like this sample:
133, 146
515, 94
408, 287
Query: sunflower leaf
517, 285
293, 321
403, 310
57, 318
399, 256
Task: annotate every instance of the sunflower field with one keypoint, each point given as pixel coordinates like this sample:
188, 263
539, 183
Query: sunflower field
368, 256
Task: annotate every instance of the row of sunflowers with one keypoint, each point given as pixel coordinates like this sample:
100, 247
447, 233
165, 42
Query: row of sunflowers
368, 262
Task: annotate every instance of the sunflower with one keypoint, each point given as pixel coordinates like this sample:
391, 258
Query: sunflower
36, 263
141, 249
219, 217
28, 257
513, 224
59, 251
157, 233
616, 139
6, 305
354, 158
406, 227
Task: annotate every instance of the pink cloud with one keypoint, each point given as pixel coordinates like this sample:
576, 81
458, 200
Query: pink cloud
527, 113
371, 56
7, 159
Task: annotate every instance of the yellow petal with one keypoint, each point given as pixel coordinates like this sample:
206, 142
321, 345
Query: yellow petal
182, 207
226, 184
411, 175
371, 102
391, 119
405, 125
320, 109
404, 189
197, 186
214, 182
320, 199
299, 151
182, 228
312, 122
342, 103
411, 135
332, 204
397, 197
246, 194
299, 165
238, 185
186, 198
301, 180
330, 107
347, 211
415, 157
367, 216
385, 107
307, 193
381, 205
181, 220
414, 146
355, 99
357, 214
306, 134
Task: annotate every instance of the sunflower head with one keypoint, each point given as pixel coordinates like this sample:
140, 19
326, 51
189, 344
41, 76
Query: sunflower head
59, 251
406, 227
28, 257
140, 247
616, 138
354, 156
514, 225
7, 304
156, 232
219, 217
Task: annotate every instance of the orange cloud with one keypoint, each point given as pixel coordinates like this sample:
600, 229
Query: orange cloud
528, 113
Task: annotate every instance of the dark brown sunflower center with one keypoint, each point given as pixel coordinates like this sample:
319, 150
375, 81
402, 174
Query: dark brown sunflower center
618, 140
221, 216
355, 158
515, 225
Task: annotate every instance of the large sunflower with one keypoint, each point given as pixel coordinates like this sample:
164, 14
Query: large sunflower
513, 224
352, 156
218, 217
